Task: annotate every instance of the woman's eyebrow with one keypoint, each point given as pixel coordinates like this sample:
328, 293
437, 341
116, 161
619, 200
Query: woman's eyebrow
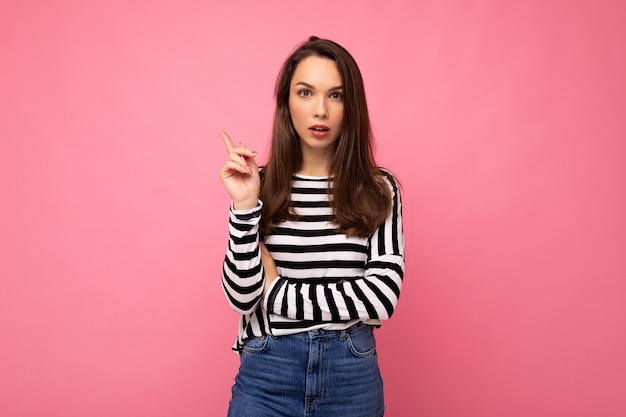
307, 85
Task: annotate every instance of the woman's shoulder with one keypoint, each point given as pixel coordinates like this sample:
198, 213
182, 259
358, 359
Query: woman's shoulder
389, 177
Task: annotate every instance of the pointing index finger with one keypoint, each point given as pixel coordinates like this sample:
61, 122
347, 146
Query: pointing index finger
227, 141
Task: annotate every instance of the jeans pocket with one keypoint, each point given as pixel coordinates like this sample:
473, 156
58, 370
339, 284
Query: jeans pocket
256, 344
362, 343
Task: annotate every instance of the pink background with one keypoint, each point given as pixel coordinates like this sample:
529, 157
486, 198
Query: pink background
503, 119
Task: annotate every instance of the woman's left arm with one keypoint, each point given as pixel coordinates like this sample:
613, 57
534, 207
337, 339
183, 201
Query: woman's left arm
374, 296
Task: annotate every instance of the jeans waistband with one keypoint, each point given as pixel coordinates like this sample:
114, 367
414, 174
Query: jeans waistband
343, 333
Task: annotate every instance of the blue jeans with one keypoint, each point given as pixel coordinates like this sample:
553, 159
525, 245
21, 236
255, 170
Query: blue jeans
330, 373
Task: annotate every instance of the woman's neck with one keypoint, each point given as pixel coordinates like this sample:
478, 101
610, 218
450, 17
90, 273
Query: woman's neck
315, 171
315, 164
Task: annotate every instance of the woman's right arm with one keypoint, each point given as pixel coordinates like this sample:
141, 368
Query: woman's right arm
242, 274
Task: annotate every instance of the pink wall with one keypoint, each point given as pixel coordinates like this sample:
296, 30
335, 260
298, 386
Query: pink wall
504, 120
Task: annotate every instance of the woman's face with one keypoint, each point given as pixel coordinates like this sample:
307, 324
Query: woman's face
316, 103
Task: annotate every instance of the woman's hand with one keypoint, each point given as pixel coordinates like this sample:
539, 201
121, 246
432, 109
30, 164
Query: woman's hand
271, 273
240, 175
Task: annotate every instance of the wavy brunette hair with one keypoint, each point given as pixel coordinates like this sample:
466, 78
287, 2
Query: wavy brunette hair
361, 198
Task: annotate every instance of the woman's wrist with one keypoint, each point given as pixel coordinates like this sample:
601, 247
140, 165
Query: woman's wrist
245, 204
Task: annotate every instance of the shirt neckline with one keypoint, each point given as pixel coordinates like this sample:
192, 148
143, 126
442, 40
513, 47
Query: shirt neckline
312, 177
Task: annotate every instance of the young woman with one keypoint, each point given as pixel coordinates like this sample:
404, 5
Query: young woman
315, 258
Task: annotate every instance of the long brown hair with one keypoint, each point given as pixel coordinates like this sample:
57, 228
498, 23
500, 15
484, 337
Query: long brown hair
361, 198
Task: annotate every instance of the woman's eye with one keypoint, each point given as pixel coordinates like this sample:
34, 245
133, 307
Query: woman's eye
336, 96
304, 93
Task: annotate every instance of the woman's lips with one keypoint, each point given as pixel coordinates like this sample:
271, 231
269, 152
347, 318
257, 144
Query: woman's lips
319, 131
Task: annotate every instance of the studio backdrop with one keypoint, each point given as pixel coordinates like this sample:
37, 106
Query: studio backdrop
503, 120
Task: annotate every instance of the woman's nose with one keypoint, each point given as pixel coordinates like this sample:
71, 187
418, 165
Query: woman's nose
321, 109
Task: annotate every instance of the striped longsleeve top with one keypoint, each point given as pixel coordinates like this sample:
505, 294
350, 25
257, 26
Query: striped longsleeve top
326, 280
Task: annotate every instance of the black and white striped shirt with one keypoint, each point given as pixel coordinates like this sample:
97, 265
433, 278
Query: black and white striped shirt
326, 279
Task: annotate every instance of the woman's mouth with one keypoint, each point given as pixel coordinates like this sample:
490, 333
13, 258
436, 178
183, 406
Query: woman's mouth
319, 131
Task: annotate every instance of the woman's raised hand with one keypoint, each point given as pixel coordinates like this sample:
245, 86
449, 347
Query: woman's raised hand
240, 174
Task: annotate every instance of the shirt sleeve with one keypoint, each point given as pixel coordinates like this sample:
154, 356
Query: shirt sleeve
374, 296
242, 274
